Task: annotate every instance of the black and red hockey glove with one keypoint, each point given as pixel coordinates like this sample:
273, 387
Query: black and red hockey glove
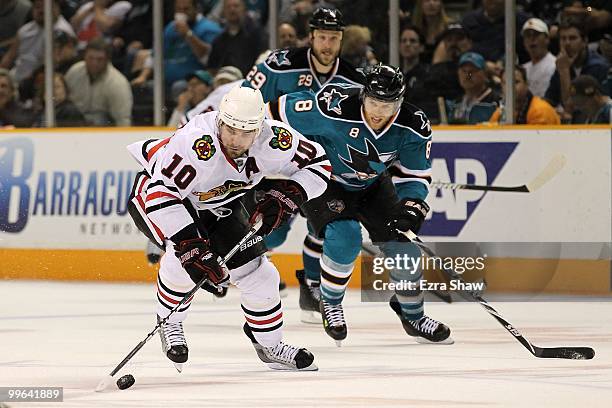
276, 205
200, 261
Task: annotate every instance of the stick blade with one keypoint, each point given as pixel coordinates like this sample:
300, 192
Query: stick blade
104, 383
552, 168
570, 353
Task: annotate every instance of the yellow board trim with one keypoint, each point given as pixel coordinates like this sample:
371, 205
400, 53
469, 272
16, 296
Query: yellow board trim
567, 276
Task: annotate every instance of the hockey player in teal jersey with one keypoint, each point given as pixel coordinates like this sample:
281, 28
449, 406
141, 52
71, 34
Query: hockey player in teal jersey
298, 69
307, 68
379, 148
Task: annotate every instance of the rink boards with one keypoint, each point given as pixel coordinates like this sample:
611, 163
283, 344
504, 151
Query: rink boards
63, 214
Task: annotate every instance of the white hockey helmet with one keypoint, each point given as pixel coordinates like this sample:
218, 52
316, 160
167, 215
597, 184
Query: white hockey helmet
242, 108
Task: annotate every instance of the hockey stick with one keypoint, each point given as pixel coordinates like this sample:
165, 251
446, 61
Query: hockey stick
105, 382
551, 170
573, 353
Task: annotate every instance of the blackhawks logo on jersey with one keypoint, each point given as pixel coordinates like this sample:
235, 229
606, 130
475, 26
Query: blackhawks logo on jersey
204, 147
282, 138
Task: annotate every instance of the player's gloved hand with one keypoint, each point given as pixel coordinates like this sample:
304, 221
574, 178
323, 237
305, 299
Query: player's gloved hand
200, 261
408, 214
276, 205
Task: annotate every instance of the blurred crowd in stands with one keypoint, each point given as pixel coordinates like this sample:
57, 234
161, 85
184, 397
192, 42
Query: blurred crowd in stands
451, 52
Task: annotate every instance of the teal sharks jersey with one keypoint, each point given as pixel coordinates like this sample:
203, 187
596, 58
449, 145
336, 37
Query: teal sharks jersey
290, 70
333, 117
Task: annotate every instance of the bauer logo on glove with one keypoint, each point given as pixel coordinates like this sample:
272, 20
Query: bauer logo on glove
408, 215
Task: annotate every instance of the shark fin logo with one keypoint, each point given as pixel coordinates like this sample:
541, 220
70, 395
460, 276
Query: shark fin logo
365, 165
472, 163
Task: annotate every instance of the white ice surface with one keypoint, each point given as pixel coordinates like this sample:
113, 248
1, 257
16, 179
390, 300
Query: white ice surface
71, 335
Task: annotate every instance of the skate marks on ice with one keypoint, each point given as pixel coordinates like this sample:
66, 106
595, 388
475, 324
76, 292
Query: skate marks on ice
73, 339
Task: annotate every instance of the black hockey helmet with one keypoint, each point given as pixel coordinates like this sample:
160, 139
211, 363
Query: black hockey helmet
384, 82
326, 19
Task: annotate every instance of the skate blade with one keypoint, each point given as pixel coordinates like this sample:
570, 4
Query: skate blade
284, 367
311, 317
179, 367
338, 343
422, 340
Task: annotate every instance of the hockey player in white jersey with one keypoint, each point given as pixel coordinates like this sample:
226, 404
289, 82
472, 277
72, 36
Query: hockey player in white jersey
192, 198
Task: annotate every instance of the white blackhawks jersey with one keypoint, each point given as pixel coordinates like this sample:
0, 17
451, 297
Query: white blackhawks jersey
192, 165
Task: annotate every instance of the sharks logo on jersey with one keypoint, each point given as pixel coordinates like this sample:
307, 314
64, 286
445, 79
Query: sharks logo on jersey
333, 98
366, 165
279, 58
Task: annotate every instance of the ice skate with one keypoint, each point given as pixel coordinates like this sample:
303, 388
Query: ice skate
425, 330
282, 356
310, 295
173, 343
333, 321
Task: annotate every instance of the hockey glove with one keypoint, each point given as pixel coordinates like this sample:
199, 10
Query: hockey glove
408, 214
199, 261
276, 205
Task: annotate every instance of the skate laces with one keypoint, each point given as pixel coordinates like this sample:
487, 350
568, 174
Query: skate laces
426, 324
283, 352
334, 314
174, 334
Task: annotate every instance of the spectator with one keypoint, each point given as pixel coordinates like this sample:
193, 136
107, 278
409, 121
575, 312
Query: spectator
356, 46
605, 49
187, 41
573, 59
286, 36
65, 52
298, 13
479, 100
100, 92
594, 14
541, 65
12, 114
442, 80
430, 18
13, 14
66, 112
199, 85
529, 109
187, 45
487, 29
589, 97
27, 51
415, 71
98, 18
241, 41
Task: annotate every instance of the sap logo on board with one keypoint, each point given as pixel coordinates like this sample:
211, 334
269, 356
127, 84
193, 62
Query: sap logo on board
24, 193
467, 163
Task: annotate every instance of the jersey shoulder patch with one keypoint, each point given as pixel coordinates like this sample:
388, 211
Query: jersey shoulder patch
340, 101
287, 59
415, 119
204, 147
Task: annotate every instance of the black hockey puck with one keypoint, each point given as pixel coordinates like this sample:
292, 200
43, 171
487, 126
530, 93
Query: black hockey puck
126, 381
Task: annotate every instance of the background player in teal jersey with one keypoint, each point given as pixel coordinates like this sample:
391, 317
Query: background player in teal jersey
299, 69
306, 68
379, 148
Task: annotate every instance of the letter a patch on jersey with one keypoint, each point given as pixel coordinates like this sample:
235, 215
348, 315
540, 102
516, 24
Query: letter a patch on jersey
204, 147
282, 138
